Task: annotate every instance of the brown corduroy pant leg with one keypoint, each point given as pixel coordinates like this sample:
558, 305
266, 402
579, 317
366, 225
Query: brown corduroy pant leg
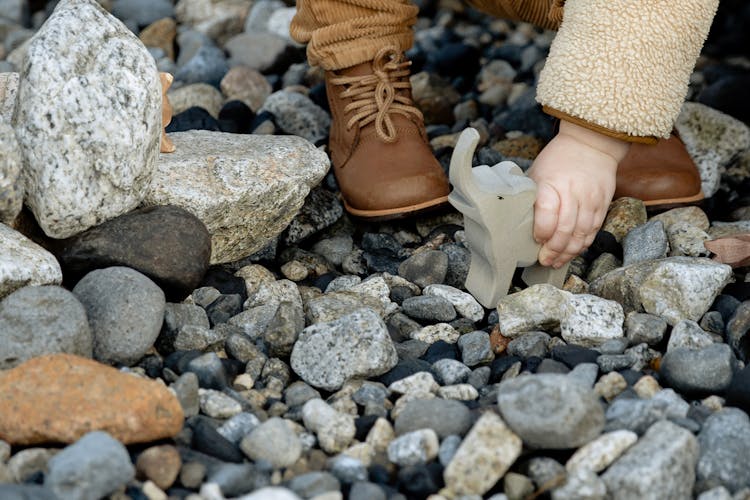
342, 33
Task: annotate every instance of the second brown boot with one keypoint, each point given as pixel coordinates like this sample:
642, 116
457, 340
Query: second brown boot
381, 158
662, 175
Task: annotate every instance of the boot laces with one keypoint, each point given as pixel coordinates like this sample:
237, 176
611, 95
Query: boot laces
376, 96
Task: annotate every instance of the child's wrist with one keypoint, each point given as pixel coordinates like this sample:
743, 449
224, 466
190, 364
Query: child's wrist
610, 146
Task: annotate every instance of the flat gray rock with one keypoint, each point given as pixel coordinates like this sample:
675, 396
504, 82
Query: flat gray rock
645, 242
24, 263
704, 371
38, 320
245, 188
660, 466
125, 311
84, 165
550, 411
357, 345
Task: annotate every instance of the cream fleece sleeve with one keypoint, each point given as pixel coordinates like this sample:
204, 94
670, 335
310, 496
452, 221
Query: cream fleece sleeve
623, 66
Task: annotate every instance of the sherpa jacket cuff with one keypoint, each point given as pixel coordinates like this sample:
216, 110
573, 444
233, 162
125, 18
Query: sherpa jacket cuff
622, 67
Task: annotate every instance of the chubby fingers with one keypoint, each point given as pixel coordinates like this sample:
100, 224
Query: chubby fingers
546, 211
565, 236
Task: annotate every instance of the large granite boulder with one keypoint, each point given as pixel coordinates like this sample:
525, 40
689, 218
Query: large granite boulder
88, 119
245, 188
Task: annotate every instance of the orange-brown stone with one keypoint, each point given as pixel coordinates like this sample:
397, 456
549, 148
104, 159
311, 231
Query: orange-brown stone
160, 34
498, 342
524, 146
60, 397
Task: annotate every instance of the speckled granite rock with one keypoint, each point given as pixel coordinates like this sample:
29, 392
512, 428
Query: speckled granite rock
83, 166
23, 262
245, 188
8, 94
11, 190
675, 288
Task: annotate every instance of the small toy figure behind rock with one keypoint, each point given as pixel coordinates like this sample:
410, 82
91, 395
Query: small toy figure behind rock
166, 145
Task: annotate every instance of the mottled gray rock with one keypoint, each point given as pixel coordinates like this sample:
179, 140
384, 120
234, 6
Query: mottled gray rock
644, 328
335, 430
550, 411
448, 448
425, 268
296, 114
584, 374
414, 448
93, 467
646, 242
581, 484
186, 389
321, 209
38, 320
207, 65
638, 415
451, 371
273, 441
282, 331
83, 166
334, 248
475, 348
529, 344
661, 465
590, 321
691, 216
311, 484
347, 469
445, 417
686, 239
674, 288
465, 304
24, 263
713, 139
429, 308
601, 452
724, 451
737, 328
11, 188
245, 188
238, 427
535, 308
8, 94
177, 317
142, 12
706, 370
358, 345
484, 456
125, 311
688, 334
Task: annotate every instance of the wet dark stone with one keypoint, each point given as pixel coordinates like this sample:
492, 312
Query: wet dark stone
178, 360
377, 263
236, 117
736, 331
455, 59
552, 366
440, 350
194, 118
631, 376
403, 369
225, 282
401, 293
210, 371
381, 244
420, 481
220, 310
573, 355
153, 365
725, 305
322, 281
740, 291
207, 440
604, 242
531, 364
319, 96
363, 425
738, 393
727, 95
166, 243
500, 365
379, 474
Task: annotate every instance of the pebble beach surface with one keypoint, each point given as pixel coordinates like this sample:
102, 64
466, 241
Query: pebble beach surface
210, 324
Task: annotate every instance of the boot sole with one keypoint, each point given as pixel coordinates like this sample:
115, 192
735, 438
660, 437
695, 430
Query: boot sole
396, 213
669, 203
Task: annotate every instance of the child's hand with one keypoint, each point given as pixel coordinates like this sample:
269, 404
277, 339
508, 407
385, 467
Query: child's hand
575, 175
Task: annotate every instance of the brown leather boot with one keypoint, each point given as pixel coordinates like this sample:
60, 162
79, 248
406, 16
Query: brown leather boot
381, 158
662, 175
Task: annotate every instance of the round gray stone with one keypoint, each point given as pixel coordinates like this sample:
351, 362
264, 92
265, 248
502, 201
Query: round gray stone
38, 320
125, 311
273, 441
707, 370
724, 451
93, 467
429, 308
550, 411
